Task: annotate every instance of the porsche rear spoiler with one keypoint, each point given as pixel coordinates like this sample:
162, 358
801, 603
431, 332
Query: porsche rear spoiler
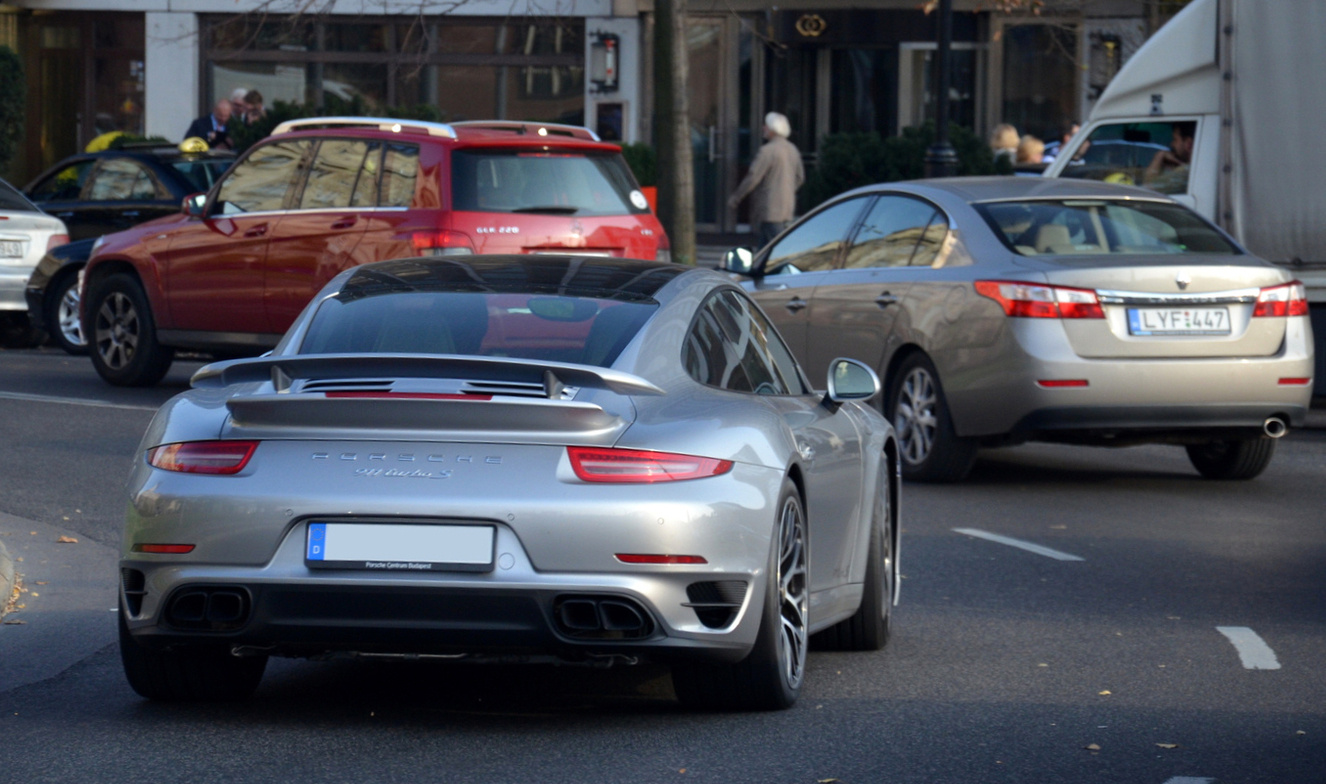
358, 395
284, 371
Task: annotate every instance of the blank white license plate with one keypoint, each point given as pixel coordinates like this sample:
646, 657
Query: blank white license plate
395, 547
11, 249
1178, 321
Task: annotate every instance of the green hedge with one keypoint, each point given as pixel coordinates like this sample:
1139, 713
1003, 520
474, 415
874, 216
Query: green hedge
13, 91
850, 160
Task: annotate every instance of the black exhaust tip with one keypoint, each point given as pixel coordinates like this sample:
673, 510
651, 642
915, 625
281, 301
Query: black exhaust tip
601, 618
208, 608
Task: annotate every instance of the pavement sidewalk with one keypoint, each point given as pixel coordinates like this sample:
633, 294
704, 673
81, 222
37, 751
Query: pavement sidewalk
67, 608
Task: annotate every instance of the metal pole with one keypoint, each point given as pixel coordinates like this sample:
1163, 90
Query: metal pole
941, 160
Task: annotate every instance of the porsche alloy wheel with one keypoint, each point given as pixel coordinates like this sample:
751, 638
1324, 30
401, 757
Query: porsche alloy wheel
770, 677
793, 593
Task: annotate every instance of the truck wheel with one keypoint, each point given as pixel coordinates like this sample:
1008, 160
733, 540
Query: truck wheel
122, 334
930, 448
62, 316
188, 673
770, 677
1243, 459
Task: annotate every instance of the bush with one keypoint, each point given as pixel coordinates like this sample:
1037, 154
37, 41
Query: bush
643, 162
13, 91
850, 160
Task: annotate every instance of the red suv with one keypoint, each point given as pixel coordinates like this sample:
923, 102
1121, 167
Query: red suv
229, 273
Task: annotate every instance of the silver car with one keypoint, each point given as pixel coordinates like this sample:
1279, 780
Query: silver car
26, 233
1002, 310
533, 458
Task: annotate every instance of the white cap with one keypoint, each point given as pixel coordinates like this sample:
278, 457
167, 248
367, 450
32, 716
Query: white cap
778, 124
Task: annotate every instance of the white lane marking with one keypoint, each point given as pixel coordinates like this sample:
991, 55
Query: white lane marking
72, 401
1189, 780
1253, 650
1018, 543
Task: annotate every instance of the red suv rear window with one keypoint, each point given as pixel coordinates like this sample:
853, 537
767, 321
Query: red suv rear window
547, 183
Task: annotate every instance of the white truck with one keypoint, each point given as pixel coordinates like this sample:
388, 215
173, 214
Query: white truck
1224, 108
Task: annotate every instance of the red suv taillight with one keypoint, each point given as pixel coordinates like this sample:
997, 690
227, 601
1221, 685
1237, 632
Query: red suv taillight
1288, 299
1029, 300
55, 241
203, 457
441, 242
595, 464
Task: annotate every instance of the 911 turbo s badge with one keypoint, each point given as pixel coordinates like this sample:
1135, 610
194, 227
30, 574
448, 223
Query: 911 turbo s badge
396, 473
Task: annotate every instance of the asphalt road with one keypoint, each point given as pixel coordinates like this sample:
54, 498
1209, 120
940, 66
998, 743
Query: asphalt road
1007, 665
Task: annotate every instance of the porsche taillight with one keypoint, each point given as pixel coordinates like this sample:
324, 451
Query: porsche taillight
1031, 300
1288, 299
203, 457
635, 466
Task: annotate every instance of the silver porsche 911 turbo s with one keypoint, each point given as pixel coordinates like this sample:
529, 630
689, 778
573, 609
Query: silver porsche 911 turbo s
514, 458
1001, 310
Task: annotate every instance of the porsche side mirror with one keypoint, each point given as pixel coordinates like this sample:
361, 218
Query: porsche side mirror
851, 380
193, 205
738, 260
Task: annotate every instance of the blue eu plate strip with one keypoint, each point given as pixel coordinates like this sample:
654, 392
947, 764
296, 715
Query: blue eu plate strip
317, 541
1135, 323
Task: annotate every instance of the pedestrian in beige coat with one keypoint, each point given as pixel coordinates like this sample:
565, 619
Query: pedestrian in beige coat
772, 181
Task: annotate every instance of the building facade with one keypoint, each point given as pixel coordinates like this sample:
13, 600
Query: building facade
149, 67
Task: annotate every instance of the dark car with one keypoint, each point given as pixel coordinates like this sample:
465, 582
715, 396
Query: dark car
100, 192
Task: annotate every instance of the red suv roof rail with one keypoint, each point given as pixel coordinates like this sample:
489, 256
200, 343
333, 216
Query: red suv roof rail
381, 123
542, 129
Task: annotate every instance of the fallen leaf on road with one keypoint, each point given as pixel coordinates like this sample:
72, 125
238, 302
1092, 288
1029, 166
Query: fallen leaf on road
66, 540
35, 594
15, 622
1300, 732
41, 582
1168, 745
1092, 747
826, 781
1106, 693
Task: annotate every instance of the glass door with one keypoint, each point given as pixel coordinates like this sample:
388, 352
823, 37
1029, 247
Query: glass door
705, 86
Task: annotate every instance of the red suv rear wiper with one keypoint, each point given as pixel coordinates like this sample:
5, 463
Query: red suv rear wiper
551, 209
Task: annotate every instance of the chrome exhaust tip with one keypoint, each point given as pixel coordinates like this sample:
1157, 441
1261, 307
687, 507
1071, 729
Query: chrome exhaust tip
1275, 427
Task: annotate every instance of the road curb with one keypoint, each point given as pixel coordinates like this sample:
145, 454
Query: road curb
6, 578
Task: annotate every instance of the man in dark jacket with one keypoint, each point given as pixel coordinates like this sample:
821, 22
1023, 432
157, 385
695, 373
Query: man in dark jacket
211, 128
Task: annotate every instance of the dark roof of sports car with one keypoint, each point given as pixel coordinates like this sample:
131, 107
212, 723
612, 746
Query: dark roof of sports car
577, 276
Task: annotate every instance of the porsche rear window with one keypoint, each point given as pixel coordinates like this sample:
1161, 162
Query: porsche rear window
1095, 227
543, 183
546, 327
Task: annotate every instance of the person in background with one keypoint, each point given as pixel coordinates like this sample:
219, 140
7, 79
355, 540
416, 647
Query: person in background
1004, 141
255, 111
238, 108
772, 181
1030, 150
1168, 172
1066, 131
211, 128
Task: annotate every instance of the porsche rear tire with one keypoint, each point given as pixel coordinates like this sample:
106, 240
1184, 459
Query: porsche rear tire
203, 673
870, 627
1243, 459
770, 677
